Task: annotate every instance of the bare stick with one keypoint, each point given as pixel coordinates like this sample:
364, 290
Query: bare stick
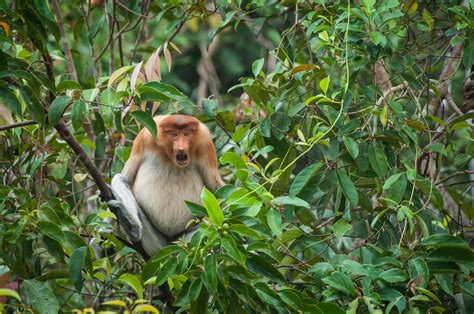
17, 125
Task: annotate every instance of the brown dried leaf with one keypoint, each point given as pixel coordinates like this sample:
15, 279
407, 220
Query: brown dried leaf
168, 58
136, 71
158, 67
175, 47
150, 67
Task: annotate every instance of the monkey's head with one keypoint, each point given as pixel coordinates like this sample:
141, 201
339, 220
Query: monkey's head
177, 136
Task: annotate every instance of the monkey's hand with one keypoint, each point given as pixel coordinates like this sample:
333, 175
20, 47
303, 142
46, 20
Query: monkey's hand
126, 207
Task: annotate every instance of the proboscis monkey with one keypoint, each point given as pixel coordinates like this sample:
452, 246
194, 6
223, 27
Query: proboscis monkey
160, 176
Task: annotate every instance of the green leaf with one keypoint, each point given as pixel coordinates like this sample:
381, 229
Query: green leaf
210, 272
78, 113
327, 307
153, 265
80, 259
378, 160
452, 254
196, 209
274, 222
212, 206
43, 9
397, 188
324, 84
393, 275
40, 297
145, 308
340, 228
352, 146
290, 200
341, 282
57, 109
118, 73
68, 85
8, 98
444, 240
134, 283
391, 180
303, 177
5, 292
429, 189
231, 248
257, 66
237, 161
347, 187
419, 272
146, 119
166, 270
245, 231
33, 105
259, 265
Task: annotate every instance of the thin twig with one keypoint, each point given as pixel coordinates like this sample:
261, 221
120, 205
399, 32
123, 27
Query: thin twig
67, 50
17, 125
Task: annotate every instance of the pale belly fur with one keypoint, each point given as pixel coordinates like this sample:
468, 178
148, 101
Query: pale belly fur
165, 192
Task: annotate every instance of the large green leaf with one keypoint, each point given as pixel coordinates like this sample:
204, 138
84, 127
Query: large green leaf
146, 119
347, 187
57, 109
212, 206
40, 297
377, 159
79, 260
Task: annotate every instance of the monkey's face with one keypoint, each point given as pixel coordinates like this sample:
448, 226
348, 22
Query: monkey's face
180, 134
178, 146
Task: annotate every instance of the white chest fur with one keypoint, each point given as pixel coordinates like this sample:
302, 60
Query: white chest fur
164, 190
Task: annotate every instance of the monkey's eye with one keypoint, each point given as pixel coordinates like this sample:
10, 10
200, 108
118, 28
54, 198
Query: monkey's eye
174, 134
186, 134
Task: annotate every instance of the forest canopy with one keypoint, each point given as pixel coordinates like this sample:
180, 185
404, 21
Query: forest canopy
343, 130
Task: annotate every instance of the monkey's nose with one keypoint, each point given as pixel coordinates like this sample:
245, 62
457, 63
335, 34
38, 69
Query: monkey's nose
181, 157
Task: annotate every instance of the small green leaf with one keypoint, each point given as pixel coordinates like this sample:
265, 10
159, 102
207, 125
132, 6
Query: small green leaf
341, 282
57, 109
274, 222
257, 66
166, 270
8, 98
290, 200
78, 113
391, 180
212, 206
324, 84
231, 248
9, 293
134, 283
347, 187
303, 177
146, 119
340, 228
444, 240
352, 146
259, 265
393, 275
33, 104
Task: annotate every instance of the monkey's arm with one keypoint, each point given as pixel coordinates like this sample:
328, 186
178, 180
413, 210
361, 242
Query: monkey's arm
132, 219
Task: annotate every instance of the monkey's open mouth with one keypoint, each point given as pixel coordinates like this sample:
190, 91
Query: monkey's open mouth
181, 158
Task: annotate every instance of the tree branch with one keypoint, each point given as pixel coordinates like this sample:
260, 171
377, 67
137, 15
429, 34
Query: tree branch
17, 125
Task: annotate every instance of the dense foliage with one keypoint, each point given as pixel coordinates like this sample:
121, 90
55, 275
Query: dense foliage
343, 129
